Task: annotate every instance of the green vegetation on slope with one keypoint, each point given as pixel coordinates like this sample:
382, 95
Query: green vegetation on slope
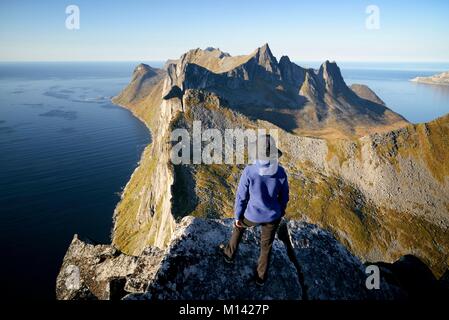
426, 141
132, 228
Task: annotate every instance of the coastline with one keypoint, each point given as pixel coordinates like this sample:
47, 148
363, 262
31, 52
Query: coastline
421, 81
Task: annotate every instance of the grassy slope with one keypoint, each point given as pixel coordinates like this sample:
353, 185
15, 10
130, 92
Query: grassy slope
426, 141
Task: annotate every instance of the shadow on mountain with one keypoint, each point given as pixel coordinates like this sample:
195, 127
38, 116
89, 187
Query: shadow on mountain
184, 200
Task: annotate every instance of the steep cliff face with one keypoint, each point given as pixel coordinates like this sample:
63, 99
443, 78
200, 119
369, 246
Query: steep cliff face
143, 215
382, 195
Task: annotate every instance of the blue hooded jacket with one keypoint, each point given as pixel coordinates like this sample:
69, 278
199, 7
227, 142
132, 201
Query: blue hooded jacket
262, 194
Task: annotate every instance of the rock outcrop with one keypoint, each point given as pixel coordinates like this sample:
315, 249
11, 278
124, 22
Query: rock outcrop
194, 268
96, 271
325, 264
438, 79
307, 263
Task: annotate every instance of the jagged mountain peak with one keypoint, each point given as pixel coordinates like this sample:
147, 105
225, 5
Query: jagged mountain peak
292, 73
330, 70
284, 59
217, 61
265, 50
330, 74
317, 100
266, 59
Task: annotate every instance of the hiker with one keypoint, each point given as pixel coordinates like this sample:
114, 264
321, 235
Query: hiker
261, 199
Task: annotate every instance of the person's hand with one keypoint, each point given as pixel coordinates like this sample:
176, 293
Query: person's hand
238, 224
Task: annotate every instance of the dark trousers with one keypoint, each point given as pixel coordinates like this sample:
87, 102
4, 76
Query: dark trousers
268, 232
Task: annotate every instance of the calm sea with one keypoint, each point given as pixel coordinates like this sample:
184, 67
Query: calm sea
66, 152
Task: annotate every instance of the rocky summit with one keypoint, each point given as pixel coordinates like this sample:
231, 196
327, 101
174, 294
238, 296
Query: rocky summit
307, 263
365, 186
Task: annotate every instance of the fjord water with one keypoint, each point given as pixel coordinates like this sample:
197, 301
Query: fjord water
66, 152
417, 102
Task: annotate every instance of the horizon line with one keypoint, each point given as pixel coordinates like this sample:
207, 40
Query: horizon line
293, 60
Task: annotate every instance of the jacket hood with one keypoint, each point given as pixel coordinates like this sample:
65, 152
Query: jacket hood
267, 167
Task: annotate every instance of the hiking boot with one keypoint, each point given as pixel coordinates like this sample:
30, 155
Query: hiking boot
259, 281
225, 256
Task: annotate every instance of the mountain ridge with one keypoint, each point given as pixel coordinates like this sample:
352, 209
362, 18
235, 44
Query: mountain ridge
257, 85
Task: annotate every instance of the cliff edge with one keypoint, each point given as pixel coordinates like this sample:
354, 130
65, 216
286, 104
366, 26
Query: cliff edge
307, 263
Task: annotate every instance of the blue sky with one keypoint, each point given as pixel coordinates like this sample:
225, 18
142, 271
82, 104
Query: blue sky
157, 30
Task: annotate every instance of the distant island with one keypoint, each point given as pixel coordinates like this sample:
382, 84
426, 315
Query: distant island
440, 79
